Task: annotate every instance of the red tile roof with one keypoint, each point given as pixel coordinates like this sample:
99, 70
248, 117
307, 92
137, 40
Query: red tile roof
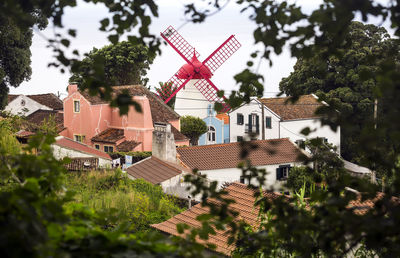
178, 136
110, 135
304, 108
160, 111
39, 116
49, 100
155, 170
219, 156
127, 146
73, 145
244, 205
11, 97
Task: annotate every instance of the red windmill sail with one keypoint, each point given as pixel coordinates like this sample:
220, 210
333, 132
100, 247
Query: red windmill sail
194, 69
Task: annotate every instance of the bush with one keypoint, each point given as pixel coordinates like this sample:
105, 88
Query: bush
300, 175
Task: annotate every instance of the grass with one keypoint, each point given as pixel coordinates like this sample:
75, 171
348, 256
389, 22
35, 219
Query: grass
122, 199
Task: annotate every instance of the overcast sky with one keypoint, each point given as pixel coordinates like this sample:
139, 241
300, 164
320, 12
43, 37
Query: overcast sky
205, 37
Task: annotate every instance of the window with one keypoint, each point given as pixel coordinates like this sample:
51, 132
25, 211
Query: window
282, 172
97, 146
254, 124
268, 123
79, 138
240, 119
77, 106
239, 138
242, 179
23, 102
211, 134
301, 144
108, 149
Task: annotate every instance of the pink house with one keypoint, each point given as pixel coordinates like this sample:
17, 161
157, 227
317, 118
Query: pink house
91, 120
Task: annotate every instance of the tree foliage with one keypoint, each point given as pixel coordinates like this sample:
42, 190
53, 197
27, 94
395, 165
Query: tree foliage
342, 79
15, 53
193, 127
123, 63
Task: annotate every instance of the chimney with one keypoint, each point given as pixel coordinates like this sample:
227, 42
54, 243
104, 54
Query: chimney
163, 143
72, 88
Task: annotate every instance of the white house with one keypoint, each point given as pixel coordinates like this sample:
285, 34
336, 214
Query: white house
220, 161
65, 147
28, 104
273, 118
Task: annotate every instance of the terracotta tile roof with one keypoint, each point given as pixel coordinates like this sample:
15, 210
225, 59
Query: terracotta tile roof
304, 108
224, 117
361, 207
11, 97
127, 146
178, 136
38, 117
73, 145
160, 112
244, 205
155, 170
24, 134
110, 135
79, 164
49, 100
218, 156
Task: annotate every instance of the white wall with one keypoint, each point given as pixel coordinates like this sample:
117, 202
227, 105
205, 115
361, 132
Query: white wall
15, 107
280, 129
233, 174
190, 101
291, 129
176, 186
61, 152
254, 107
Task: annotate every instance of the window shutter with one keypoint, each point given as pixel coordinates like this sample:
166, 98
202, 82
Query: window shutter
268, 122
250, 125
239, 119
257, 124
279, 173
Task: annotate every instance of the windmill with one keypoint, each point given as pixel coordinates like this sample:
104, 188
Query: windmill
195, 74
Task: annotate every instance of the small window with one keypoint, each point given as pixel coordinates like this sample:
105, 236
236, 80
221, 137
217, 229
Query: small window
301, 144
97, 146
78, 138
239, 138
240, 119
268, 123
242, 179
108, 149
77, 106
211, 134
282, 173
23, 102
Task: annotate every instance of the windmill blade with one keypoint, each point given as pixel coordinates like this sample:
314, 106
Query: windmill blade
177, 42
209, 91
222, 53
173, 83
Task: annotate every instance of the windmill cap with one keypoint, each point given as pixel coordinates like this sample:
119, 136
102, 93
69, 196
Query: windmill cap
188, 69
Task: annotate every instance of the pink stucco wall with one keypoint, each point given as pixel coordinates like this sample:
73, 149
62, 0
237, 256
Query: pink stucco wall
93, 119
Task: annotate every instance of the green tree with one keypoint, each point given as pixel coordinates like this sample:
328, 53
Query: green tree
15, 54
193, 127
124, 63
340, 79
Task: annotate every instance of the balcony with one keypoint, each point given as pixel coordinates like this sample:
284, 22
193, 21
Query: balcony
255, 129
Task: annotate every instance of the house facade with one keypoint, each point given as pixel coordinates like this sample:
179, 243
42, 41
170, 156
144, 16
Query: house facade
218, 128
91, 120
274, 118
220, 161
28, 104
